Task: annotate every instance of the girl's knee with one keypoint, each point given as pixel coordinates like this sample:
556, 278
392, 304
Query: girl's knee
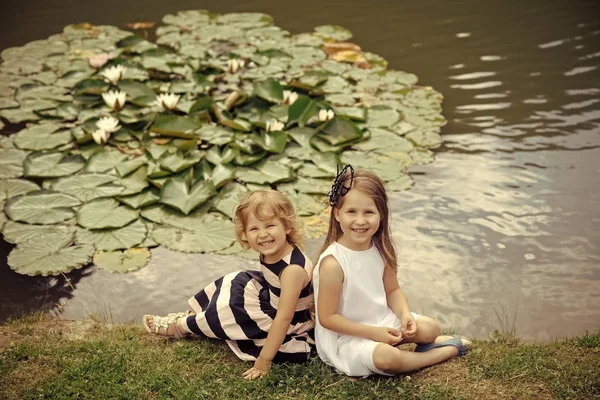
427, 329
386, 357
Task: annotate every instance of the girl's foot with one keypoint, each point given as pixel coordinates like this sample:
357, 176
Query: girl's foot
462, 344
165, 326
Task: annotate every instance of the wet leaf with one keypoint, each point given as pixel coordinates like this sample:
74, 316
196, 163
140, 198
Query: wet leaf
88, 186
105, 213
142, 199
178, 194
113, 239
41, 207
51, 165
10, 188
201, 238
48, 257
122, 261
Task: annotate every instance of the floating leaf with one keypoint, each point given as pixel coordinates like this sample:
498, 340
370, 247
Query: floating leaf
17, 233
134, 182
41, 137
266, 172
122, 261
176, 126
88, 186
11, 163
222, 174
273, 142
51, 165
216, 135
105, 160
10, 188
177, 193
270, 90
334, 32
301, 111
105, 213
426, 139
113, 239
229, 197
48, 257
382, 117
215, 156
339, 131
383, 140
176, 162
41, 207
142, 199
204, 237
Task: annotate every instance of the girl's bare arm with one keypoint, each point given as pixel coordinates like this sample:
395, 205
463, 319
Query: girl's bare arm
330, 287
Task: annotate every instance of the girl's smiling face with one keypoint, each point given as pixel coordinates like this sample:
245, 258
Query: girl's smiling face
359, 220
267, 236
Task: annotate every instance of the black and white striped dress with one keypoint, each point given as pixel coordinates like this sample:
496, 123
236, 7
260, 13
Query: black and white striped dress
240, 308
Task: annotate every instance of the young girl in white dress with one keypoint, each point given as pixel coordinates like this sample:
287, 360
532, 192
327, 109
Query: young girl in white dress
361, 312
263, 315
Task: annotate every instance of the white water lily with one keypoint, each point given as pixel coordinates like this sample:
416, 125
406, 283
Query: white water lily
100, 136
108, 124
167, 101
326, 115
234, 64
115, 99
274, 125
289, 97
114, 74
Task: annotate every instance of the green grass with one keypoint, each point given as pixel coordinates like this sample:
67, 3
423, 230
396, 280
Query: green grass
47, 358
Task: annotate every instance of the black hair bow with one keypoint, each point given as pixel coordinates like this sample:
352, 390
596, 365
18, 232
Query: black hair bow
338, 190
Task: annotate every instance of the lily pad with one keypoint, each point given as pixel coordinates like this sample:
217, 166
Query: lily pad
17, 233
229, 197
42, 137
10, 188
105, 160
41, 207
266, 172
122, 261
269, 90
105, 213
203, 238
301, 111
48, 257
88, 186
339, 131
176, 126
51, 165
178, 194
113, 239
11, 163
142, 199
333, 32
273, 142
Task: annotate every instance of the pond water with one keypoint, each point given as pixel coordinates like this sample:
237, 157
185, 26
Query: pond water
502, 231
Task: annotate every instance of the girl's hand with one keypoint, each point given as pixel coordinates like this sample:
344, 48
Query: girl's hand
260, 369
409, 325
389, 336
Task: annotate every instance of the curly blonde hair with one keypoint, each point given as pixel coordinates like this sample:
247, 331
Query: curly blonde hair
266, 204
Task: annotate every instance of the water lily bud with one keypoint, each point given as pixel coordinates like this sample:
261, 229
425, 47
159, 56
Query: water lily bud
234, 64
274, 125
115, 99
167, 101
289, 97
326, 115
108, 124
100, 136
113, 74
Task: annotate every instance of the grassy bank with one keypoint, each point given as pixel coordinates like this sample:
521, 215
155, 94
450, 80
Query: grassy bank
42, 357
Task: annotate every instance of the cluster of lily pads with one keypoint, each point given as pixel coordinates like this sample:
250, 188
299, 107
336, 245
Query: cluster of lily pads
127, 144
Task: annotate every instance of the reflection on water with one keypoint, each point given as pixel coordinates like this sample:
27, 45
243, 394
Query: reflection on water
505, 221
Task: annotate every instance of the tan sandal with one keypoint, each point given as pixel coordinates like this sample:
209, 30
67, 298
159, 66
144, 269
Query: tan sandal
160, 325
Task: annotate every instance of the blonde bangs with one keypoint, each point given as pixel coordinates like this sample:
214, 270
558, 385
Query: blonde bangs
264, 205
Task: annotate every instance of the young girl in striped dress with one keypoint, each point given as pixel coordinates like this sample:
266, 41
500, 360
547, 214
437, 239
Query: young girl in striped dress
263, 316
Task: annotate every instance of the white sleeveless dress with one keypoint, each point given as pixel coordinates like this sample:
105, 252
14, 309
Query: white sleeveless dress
362, 300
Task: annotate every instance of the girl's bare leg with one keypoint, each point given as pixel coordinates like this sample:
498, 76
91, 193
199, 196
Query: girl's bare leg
427, 331
396, 361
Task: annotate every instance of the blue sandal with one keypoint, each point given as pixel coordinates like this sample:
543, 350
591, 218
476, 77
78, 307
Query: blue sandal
455, 341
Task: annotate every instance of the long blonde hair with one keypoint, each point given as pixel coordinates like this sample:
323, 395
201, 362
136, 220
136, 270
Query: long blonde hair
370, 184
266, 204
